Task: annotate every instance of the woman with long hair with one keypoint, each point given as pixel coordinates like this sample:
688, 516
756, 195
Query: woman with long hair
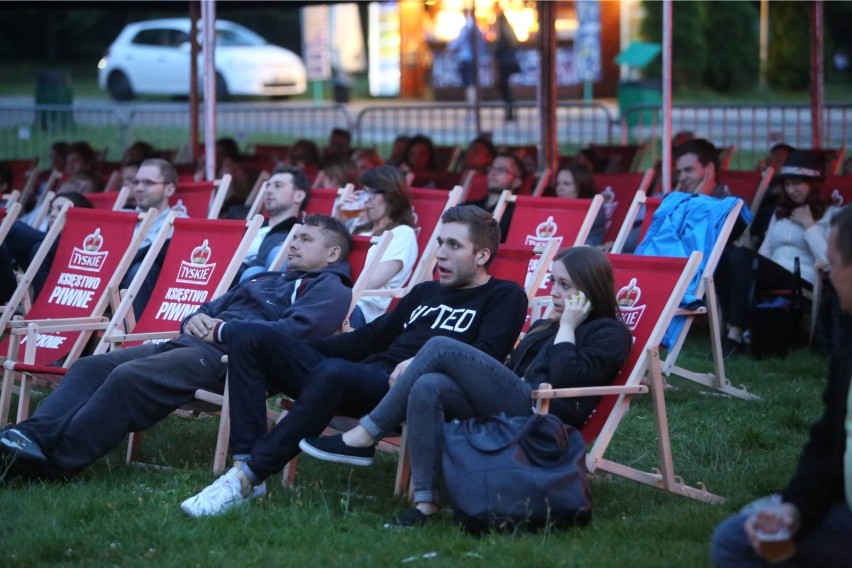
387, 207
797, 234
576, 181
583, 343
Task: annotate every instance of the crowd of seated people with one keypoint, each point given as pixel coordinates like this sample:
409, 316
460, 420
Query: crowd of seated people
401, 367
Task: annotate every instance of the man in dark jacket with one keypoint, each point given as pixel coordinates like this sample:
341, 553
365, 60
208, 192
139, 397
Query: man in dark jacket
104, 397
814, 511
287, 195
348, 373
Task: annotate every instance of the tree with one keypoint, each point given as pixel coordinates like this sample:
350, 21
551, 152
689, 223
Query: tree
689, 48
788, 66
730, 29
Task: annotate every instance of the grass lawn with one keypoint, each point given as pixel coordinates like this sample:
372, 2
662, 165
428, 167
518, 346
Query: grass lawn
120, 515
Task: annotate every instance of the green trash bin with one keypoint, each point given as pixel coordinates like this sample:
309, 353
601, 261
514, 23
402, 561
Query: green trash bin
635, 93
638, 55
53, 87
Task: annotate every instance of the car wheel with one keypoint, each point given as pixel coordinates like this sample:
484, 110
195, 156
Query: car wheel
222, 93
119, 86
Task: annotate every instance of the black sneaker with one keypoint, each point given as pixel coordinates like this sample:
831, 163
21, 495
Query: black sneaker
15, 442
334, 449
407, 519
731, 348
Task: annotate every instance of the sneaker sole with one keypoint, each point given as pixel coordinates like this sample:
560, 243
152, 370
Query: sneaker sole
336, 458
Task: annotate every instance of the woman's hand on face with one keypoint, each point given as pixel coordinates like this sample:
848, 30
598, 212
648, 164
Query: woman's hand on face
576, 310
803, 216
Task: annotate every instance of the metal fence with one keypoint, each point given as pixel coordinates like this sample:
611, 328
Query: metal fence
751, 129
27, 130
449, 124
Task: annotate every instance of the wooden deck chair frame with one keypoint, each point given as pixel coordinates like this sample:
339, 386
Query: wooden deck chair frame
707, 290
10, 215
594, 206
120, 328
255, 195
644, 184
220, 455
220, 191
30, 184
20, 328
542, 183
647, 365
640, 200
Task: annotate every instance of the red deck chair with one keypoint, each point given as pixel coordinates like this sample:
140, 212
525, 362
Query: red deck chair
322, 200
706, 291
840, 189
641, 202
202, 199
536, 219
649, 290
272, 152
435, 179
475, 186
620, 159
110, 200
448, 156
748, 185
21, 170
618, 192
94, 251
202, 259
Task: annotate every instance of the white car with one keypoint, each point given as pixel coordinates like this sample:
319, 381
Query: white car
152, 58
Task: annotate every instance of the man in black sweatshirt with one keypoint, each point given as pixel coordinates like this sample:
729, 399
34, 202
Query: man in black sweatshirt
104, 397
348, 374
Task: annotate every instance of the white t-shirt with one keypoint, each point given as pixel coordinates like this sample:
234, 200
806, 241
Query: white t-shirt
403, 247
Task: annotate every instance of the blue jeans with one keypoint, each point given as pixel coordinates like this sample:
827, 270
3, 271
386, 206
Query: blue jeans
263, 362
446, 380
827, 546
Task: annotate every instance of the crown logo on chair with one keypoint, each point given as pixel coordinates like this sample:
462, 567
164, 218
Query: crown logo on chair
607, 194
836, 198
628, 295
201, 254
93, 242
547, 229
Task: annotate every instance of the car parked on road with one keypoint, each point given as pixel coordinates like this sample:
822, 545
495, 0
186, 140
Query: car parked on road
152, 58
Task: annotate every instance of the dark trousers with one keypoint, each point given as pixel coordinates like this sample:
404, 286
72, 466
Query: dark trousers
735, 282
104, 397
263, 362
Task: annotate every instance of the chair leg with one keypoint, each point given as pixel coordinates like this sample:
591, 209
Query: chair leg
134, 440
403, 466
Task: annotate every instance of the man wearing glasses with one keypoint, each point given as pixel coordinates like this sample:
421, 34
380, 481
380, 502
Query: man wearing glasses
506, 172
154, 184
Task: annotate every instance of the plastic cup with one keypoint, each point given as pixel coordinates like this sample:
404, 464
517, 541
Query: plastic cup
775, 539
355, 206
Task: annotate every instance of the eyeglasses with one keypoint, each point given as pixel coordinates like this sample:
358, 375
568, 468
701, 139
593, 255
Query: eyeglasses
500, 170
147, 183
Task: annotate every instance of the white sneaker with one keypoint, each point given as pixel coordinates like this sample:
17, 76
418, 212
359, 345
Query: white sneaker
221, 495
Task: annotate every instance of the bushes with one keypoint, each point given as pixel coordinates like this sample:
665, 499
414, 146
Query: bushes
714, 43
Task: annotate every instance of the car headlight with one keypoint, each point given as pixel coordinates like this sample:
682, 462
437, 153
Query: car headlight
102, 63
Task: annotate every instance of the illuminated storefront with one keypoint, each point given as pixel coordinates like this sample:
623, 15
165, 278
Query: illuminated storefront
411, 38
